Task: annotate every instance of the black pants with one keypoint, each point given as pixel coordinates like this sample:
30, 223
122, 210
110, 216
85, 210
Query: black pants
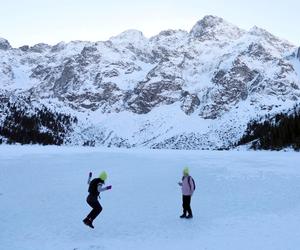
94, 203
186, 204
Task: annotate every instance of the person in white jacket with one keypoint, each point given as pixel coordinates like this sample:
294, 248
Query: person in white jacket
188, 187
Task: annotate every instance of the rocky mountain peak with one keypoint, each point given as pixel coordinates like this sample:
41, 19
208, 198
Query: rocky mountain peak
4, 44
130, 36
209, 22
215, 28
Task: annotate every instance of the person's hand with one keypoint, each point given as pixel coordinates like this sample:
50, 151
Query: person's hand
179, 183
108, 187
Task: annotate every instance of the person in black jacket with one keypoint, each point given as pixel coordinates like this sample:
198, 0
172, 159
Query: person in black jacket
95, 187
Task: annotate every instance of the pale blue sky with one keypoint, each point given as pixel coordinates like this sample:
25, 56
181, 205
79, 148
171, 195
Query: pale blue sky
32, 21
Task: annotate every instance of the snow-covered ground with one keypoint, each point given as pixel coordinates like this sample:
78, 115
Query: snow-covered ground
243, 200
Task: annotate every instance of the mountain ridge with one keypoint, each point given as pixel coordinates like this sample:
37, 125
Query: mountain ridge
216, 76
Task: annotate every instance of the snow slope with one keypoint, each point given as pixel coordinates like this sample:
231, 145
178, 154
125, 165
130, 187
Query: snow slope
243, 200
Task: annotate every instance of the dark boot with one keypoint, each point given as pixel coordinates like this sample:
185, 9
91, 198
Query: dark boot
190, 216
88, 222
182, 216
91, 224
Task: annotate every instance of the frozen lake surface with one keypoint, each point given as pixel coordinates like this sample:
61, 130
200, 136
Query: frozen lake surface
243, 200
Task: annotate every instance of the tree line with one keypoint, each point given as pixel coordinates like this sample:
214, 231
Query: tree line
27, 125
274, 133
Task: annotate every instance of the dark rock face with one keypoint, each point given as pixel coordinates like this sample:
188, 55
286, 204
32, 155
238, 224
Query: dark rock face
190, 102
256, 50
88, 50
24, 48
111, 73
109, 94
7, 70
58, 47
232, 88
285, 68
4, 44
40, 48
298, 54
67, 79
40, 71
149, 95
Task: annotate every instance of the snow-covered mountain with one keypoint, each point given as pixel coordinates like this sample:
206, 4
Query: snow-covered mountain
178, 89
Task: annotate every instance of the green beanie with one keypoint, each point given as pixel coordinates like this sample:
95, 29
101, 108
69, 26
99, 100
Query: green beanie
186, 171
103, 176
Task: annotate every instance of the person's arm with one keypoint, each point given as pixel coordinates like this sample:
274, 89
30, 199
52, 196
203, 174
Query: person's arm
101, 189
180, 183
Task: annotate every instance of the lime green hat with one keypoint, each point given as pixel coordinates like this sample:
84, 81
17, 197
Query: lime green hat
186, 171
103, 176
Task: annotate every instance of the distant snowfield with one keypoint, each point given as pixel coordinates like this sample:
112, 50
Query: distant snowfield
243, 200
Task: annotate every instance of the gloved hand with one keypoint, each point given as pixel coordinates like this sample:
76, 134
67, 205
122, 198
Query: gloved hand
180, 183
108, 187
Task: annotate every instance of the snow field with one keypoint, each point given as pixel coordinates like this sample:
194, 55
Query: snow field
243, 200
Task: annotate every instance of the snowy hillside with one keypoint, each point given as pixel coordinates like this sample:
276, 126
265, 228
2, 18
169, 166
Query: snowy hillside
178, 89
243, 200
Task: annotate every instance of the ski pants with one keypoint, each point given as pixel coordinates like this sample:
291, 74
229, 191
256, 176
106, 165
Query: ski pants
186, 204
94, 203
